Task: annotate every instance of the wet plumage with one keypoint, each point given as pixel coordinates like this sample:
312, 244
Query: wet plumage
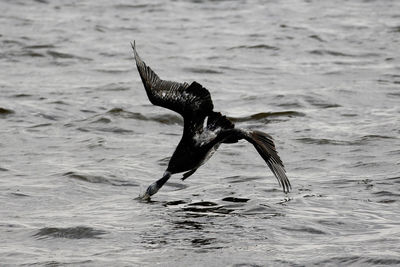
204, 129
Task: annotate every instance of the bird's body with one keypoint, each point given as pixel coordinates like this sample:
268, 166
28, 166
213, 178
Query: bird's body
204, 129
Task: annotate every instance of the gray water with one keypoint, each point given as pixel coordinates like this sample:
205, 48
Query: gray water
80, 140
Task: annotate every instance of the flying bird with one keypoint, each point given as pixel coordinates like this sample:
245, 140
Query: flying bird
203, 128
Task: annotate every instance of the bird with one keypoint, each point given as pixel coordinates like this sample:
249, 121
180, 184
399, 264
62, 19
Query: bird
204, 129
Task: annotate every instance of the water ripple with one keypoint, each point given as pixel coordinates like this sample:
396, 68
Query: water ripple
77, 232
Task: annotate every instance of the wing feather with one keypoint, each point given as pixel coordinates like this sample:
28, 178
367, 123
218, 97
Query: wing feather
188, 100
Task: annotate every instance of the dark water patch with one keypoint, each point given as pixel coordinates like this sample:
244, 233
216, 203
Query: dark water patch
235, 199
42, 46
59, 102
98, 179
29, 53
317, 37
312, 195
320, 103
203, 204
255, 265
46, 116
5, 112
87, 111
264, 210
133, 6
203, 71
188, 224
387, 201
21, 95
60, 55
308, 230
177, 186
373, 137
264, 115
102, 120
117, 130
394, 179
259, 46
338, 261
291, 105
3, 169
212, 209
381, 261
40, 125
358, 261
324, 141
175, 203
325, 52
385, 194
395, 29
120, 112
169, 119
240, 179
331, 222
19, 194
114, 71
78, 232
200, 242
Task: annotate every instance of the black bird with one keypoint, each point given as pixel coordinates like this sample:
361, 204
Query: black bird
203, 131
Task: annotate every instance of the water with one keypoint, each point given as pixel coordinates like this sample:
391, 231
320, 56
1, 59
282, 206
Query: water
80, 140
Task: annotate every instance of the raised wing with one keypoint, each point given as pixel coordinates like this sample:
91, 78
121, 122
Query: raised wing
191, 101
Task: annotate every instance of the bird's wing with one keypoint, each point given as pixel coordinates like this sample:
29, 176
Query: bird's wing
266, 148
191, 101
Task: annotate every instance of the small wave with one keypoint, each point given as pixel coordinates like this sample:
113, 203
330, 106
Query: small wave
202, 70
212, 209
259, 46
320, 103
3, 169
120, 112
42, 46
20, 195
235, 199
240, 179
5, 111
386, 194
357, 260
133, 6
98, 179
203, 204
40, 125
175, 203
324, 141
117, 130
102, 120
59, 55
316, 37
265, 115
21, 95
324, 52
78, 232
373, 137
304, 229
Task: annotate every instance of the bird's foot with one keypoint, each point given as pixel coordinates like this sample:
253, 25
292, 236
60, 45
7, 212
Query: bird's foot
151, 190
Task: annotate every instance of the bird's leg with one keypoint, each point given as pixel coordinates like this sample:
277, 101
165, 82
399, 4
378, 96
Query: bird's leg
154, 187
187, 174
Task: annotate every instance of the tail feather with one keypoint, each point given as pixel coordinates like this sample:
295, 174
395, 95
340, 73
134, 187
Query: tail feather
265, 146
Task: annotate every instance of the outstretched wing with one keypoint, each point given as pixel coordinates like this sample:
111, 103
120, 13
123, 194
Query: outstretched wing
191, 101
266, 148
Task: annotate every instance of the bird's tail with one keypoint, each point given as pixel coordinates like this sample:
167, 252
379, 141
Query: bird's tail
265, 146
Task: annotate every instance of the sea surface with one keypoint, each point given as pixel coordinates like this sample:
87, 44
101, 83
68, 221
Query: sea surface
79, 140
